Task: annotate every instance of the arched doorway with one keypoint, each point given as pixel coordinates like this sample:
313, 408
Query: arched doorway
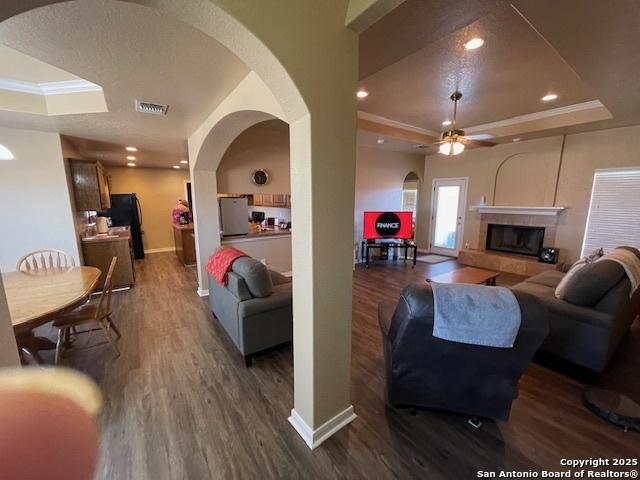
411, 196
315, 95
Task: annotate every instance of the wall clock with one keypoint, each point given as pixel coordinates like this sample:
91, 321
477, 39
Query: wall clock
260, 177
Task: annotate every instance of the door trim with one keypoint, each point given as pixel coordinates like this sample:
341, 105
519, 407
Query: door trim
432, 212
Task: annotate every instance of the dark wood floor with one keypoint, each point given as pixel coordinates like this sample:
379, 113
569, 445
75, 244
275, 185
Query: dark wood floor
179, 403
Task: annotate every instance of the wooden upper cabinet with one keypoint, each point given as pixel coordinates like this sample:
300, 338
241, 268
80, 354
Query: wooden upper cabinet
103, 186
90, 185
271, 200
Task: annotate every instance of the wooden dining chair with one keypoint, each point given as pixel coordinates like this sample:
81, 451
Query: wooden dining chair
99, 312
44, 260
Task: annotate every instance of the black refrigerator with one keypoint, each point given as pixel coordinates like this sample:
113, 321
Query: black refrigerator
125, 210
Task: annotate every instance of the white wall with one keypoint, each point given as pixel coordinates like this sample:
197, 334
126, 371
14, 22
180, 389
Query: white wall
380, 176
36, 207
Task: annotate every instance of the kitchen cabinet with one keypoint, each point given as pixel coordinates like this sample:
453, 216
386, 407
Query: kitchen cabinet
90, 185
185, 243
280, 200
98, 252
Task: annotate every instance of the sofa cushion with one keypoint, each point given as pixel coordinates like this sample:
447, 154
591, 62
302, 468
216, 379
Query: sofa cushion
548, 278
255, 274
587, 285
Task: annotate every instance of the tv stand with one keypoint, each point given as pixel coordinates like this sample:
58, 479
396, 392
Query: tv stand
385, 247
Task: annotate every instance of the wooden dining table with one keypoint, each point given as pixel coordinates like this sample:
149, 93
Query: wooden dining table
37, 297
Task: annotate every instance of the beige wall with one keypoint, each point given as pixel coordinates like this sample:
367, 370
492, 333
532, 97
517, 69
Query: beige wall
158, 191
263, 146
528, 177
36, 205
380, 177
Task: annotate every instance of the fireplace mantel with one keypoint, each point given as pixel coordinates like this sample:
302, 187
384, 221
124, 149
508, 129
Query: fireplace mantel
549, 211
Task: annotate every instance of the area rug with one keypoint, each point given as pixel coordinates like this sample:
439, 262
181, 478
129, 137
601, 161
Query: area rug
431, 258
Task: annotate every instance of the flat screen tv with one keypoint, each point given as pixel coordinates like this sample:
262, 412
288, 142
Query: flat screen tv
388, 225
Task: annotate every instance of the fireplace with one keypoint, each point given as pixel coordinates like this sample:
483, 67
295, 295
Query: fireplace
523, 240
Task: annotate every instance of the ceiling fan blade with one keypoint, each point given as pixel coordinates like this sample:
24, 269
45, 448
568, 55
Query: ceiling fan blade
476, 143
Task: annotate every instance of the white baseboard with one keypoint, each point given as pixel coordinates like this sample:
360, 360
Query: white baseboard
160, 250
313, 438
203, 293
420, 250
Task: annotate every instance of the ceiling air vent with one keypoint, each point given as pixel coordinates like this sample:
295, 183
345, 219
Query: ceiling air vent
421, 146
152, 108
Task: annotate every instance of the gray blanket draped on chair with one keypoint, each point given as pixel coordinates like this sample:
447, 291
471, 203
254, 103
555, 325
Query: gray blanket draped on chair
475, 314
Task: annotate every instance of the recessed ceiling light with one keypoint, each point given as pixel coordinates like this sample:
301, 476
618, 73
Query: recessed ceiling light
362, 93
176, 166
184, 161
474, 43
380, 140
549, 97
131, 149
5, 153
446, 123
516, 139
130, 157
131, 164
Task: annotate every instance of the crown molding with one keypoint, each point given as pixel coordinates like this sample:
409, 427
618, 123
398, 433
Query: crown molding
49, 88
393, 123
508, 122
554, 112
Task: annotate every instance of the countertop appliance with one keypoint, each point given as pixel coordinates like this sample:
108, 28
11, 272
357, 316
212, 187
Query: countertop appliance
125, 210
234, 212
102, 225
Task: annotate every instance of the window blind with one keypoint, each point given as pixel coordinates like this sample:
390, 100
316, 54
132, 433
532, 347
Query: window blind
614, 211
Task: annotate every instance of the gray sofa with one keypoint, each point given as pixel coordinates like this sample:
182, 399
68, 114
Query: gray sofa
255, 307
589, 324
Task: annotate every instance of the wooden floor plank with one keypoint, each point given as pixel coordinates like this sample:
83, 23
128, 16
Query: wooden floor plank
179, 403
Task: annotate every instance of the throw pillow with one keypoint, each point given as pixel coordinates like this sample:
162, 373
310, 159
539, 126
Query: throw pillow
587, 285
583, 262
256, 276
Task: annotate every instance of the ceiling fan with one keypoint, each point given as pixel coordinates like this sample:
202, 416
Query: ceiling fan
453, 141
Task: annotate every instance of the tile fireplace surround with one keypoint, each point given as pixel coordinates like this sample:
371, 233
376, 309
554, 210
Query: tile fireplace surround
509, 262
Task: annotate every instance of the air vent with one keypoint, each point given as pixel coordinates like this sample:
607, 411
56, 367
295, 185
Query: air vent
151, 108
421, 146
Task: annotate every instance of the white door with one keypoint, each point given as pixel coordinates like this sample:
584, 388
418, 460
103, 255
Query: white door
447, 216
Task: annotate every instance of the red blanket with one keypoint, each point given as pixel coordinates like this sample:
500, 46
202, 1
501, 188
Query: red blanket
220, 262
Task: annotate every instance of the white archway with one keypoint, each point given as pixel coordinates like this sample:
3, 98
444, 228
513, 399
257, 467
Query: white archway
314, 93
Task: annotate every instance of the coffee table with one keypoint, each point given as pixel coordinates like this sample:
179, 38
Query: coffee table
478, 276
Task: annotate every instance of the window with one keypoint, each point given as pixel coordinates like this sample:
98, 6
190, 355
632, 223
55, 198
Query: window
409, 201
614, 211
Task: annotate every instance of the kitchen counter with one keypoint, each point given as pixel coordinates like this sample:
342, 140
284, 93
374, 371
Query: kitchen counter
116, 234
97, 251
272, 246
271, 232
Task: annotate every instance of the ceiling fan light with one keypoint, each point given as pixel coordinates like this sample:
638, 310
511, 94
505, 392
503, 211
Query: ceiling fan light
451, 147
445, 148
458, 148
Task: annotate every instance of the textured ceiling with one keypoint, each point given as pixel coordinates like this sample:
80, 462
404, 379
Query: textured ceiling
15, 65
133, 52
584, 51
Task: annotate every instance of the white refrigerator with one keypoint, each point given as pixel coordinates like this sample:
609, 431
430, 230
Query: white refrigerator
234, 216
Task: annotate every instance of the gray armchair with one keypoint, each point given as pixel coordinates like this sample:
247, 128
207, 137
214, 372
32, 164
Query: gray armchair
255, 307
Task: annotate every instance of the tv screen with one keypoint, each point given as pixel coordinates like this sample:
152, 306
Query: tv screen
388, 225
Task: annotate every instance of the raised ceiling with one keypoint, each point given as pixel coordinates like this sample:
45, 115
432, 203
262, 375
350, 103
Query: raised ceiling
133, 52
414, 58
